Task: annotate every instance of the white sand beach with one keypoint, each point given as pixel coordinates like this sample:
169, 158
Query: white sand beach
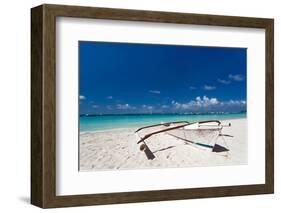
118, 149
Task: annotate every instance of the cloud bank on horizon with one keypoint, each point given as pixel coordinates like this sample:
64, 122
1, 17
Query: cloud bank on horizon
122, 78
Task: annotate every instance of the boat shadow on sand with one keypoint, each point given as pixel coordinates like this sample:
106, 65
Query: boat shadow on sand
216, 148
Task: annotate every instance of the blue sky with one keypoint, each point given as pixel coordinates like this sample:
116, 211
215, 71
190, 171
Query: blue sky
122, 78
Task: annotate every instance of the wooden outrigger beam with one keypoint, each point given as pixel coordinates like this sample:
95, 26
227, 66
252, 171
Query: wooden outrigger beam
159, 131
162, 124
209, 121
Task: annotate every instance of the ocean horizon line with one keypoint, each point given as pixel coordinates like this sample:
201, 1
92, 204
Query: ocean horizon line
141, 114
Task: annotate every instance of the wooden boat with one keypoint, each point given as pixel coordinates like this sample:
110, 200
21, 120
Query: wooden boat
202, 134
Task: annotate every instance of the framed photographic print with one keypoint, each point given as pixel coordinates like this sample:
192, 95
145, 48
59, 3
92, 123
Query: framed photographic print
135, 106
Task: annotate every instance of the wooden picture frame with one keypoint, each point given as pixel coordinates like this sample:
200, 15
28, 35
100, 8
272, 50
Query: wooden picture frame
43, 105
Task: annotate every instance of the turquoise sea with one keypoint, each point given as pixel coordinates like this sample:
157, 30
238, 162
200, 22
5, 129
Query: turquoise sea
104, 122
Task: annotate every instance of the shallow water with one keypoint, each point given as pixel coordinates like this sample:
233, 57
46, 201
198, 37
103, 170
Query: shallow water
104, 122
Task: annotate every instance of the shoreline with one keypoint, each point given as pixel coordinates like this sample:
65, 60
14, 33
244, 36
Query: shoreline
116, 149
107, 130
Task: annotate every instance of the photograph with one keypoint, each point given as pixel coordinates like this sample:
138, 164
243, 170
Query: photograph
148, 106
136, 105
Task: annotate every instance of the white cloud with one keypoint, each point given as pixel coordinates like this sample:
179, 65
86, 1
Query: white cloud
205, 102
109, 97
236, 77
95, 106
234, 102
154, 91
164, 106
213, 101
182, 105
124, 106
207, 87
147, 107
82, 97
222, 81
